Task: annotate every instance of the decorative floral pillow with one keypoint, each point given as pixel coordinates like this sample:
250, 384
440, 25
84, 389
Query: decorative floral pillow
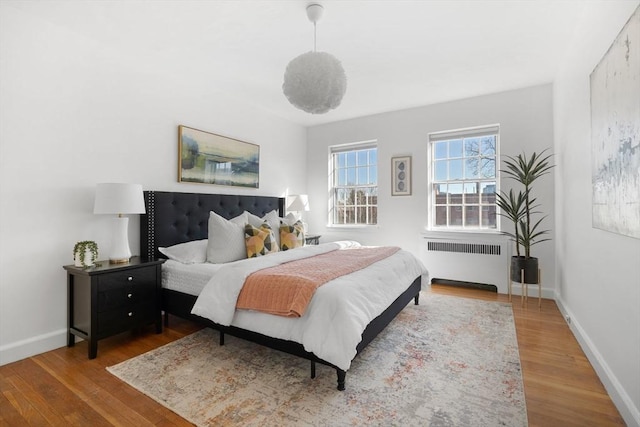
291, 236
259, 241
270, 218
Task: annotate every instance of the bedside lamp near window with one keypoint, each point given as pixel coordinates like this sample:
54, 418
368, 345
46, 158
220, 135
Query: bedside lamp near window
299, 203
119, 199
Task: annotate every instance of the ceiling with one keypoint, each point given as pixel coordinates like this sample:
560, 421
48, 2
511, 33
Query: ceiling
396, 54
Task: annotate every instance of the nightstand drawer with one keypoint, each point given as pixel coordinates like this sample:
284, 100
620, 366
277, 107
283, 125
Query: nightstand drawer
125, 318
125, 288
132, 277
125, 296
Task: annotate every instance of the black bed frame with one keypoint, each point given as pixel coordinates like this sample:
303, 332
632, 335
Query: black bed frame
174, 218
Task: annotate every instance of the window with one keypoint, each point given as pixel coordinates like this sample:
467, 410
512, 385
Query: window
464, 178
354, 184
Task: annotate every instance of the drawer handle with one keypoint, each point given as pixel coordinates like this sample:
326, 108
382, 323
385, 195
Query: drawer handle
131, 314
129, 278
129, 295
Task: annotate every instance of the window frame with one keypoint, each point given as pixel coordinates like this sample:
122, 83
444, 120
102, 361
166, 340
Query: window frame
333, 188
471, 132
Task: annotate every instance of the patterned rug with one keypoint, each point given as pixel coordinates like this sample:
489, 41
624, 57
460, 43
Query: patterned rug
448, 362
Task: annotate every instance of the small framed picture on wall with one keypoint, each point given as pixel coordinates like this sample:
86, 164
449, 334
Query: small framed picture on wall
401, 176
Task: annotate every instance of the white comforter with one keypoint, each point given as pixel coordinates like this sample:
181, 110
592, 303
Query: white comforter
338, 313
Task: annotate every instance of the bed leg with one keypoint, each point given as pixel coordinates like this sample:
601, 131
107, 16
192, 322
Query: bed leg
313, 369
221, 338
416, 299
166, 319
341, 378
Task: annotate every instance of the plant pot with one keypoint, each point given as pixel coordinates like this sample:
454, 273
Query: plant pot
530, 267
88, 258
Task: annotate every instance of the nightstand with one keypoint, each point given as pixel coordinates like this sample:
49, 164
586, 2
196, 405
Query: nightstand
312, 239
112, 298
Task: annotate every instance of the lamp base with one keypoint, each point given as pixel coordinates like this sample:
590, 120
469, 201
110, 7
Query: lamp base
120, 252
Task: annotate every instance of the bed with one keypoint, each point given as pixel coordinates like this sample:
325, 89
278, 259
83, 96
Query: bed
174, 217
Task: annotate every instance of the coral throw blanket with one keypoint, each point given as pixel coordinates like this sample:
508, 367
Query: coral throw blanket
287, 289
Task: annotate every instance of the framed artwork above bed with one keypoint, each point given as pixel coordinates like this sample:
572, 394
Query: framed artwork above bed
208, 158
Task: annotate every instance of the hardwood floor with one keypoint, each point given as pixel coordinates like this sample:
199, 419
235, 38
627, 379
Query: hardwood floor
63, 387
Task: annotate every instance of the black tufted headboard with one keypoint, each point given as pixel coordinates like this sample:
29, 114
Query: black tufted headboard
174, 218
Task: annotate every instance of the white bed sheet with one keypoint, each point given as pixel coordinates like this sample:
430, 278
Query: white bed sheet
338, 313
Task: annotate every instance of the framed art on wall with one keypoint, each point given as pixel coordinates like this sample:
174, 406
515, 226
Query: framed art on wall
401, 176
207, 158
615, 134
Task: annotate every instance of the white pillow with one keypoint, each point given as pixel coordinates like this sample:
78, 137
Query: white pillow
226, 238
290, 219
271, 218
187, 253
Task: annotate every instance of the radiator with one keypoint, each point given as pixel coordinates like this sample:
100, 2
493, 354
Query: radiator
476, 258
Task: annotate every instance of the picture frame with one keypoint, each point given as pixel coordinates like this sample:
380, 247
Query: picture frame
615, 104
401, 176
208, 158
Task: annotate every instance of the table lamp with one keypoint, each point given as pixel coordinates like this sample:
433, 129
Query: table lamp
119, 199
299, 203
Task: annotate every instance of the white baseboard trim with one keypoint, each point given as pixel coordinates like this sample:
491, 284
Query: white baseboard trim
629, 412
31, 346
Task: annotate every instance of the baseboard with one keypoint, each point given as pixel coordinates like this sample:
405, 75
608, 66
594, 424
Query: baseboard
629, 412
30, 347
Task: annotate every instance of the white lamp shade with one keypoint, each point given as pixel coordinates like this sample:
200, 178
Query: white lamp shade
299, 203
116, 198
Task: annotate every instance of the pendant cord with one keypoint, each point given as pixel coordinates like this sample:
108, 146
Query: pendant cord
314, 37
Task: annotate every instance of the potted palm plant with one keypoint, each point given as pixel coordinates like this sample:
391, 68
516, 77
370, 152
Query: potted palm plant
520, 209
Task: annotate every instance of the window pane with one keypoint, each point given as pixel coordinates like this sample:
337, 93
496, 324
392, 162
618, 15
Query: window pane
363, 177
441, 170
489, 216
488, 167
373, 215
373, 175
441, 215
488, 191
342, 160
471, 168
472, 147
488, 146
455, 169
362, 157
351, 176
440, 191
455, 193
351, 158
471, 216
455, 216
341, 177
373, 156
471, 195
440, 150
455, 148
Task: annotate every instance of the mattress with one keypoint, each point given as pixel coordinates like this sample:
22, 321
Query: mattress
187, 278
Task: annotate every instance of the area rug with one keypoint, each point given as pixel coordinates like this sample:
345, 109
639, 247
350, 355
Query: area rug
449, 361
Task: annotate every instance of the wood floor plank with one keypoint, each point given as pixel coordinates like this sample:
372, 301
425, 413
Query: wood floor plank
64, 386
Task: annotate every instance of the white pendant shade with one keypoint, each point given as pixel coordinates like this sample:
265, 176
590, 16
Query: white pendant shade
315, 82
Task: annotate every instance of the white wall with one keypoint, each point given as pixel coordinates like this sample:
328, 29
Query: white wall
74, 113
598, 271
525, 118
